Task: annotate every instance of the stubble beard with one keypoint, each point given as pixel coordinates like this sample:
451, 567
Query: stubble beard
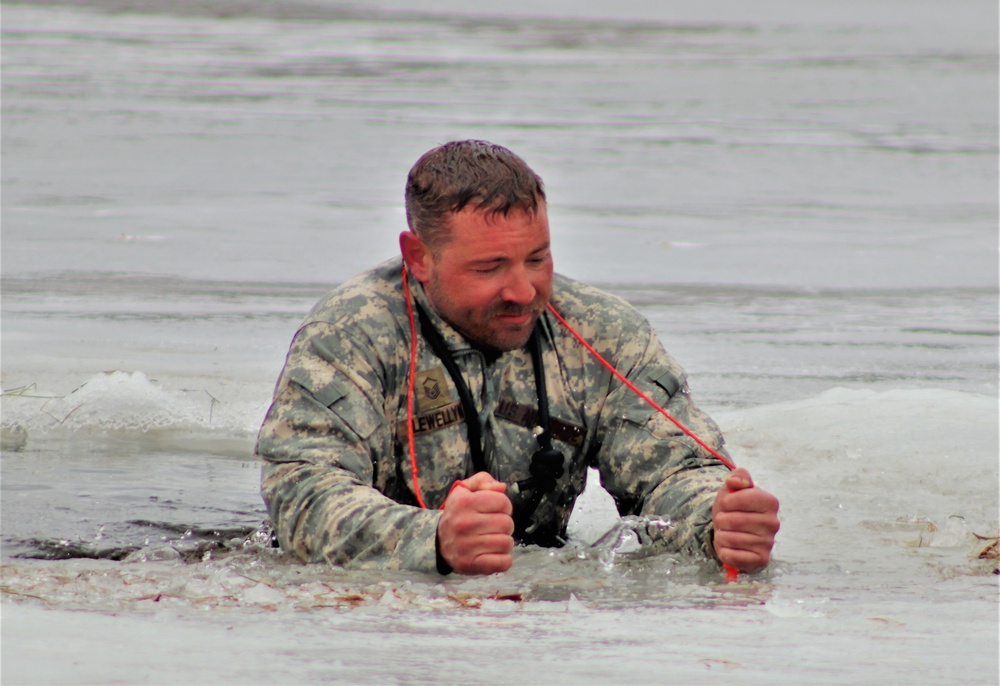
513, 339
484, 331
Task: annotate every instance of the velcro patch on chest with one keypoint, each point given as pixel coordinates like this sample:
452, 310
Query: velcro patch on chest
431, 390
527, 417
439, 418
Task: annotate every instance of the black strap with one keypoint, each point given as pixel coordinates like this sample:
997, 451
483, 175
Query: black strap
440, 349
546, 463
544, 438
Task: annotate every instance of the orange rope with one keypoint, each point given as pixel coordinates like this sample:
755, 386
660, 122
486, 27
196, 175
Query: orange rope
409, 392
635, 389
732, 574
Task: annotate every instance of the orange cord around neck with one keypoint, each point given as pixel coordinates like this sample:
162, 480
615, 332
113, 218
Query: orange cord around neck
731, 573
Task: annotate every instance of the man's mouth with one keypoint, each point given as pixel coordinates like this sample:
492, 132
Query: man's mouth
516, 318
515, 315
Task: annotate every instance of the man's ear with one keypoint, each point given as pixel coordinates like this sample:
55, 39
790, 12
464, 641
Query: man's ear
416, 255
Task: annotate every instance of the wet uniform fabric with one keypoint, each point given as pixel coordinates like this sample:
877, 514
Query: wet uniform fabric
336, 472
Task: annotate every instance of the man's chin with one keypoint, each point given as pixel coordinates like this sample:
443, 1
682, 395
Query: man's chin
514, 337
503, 339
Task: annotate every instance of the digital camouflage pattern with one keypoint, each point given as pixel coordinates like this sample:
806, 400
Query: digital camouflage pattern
336, 473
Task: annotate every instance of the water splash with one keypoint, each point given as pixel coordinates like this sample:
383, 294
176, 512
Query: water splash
634, 538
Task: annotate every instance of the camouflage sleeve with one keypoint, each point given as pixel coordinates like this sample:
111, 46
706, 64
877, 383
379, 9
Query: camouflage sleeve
649, 465
321, 442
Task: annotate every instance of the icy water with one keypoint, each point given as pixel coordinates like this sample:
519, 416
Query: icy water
801, 196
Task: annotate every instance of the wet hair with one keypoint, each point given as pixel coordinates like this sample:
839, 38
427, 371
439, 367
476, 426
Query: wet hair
462, 174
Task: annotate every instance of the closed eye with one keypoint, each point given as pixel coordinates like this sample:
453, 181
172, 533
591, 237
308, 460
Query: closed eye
486, 267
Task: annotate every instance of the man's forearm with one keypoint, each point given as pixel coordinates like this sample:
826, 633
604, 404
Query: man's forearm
325, 514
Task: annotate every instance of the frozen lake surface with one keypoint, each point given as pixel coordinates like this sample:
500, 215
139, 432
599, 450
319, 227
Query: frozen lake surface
801, 196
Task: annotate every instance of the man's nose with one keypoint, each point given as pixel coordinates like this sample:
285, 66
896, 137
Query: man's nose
518, 288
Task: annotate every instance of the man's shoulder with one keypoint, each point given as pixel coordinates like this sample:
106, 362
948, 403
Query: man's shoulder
372, 297
589, 305
613, 327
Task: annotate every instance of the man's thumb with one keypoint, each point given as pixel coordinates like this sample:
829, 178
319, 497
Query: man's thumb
739, 479
483, 481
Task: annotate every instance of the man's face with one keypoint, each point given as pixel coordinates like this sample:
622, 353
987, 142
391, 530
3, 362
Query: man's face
492, 279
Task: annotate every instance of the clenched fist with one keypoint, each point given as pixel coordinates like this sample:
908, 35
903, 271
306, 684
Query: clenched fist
475, 532
745, 520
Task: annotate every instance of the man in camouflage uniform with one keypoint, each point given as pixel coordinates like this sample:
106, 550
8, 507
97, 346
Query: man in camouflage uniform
359, 470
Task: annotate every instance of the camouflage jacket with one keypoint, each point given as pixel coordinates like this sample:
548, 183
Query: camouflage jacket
336, 472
